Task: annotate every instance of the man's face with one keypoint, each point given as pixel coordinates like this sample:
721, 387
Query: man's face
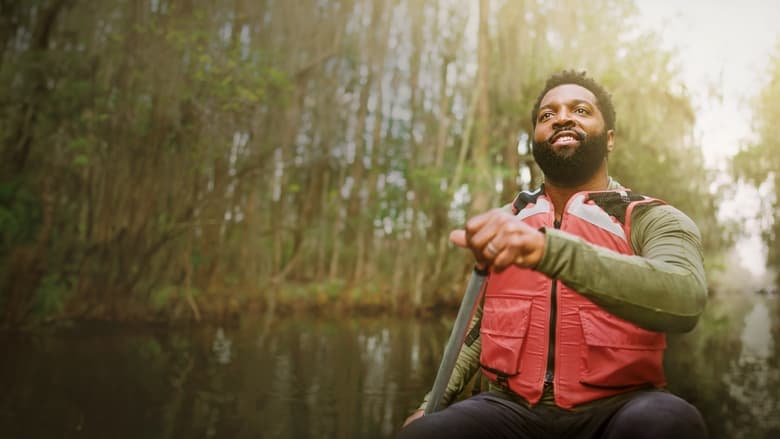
570, 142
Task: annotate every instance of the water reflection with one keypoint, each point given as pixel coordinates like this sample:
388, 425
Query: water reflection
307, 377
358, 378
729, 367
753, 382
221, 347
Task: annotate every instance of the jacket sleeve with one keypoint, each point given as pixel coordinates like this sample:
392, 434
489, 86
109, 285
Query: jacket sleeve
661, 288
466, 366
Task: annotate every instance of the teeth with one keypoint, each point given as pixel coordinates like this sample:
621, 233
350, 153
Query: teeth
564, 139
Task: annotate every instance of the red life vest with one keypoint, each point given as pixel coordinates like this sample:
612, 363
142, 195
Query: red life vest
595, 354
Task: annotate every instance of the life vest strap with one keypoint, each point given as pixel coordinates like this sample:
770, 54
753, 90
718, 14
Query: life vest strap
616, 203
502, 378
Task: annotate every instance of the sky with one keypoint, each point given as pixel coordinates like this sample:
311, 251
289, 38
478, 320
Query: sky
723, 49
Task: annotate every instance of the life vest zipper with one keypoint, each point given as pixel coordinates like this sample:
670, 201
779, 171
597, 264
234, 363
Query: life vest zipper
550, 373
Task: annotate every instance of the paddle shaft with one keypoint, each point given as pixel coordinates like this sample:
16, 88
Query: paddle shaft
452, 349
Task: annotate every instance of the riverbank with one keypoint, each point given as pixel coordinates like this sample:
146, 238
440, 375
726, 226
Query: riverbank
729, 293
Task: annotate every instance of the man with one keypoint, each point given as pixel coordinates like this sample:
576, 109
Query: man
585, 278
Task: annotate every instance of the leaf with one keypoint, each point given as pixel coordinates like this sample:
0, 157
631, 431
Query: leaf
81, 160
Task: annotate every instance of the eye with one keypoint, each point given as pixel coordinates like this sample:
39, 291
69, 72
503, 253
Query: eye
545, 115
581, 110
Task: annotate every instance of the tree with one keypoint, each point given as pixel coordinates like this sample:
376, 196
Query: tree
759, 162
186, 159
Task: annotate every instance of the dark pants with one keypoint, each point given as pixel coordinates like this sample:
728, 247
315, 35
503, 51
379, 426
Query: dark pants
646, 414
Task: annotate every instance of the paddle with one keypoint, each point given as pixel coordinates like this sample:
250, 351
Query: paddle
452, 349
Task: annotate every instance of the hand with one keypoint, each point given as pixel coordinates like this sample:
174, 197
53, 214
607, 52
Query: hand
499, 239
413, 416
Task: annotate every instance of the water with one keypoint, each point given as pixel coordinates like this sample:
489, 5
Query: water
309, 377
298, 378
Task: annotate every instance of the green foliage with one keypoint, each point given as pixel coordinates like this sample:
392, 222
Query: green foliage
50, 296
330, 288
368, 293
759, 162
150, 350
329, 291
235, 78
20, 215
163, 297
753, 164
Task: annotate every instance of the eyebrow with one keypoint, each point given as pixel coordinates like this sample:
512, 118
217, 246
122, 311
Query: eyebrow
571, 102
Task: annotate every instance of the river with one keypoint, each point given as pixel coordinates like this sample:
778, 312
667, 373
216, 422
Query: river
317, 377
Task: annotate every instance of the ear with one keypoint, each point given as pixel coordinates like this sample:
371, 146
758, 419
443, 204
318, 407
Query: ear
610, 140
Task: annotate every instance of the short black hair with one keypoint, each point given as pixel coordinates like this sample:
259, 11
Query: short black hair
603, 98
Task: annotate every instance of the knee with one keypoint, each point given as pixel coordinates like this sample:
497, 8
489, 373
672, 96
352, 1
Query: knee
424, 427
658, 414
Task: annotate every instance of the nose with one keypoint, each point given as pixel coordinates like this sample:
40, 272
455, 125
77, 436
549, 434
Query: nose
563, 120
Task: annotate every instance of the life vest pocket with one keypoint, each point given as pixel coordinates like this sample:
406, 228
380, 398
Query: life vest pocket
619, 354
505, 321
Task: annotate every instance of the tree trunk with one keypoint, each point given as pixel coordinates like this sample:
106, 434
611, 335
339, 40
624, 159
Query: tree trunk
484, 187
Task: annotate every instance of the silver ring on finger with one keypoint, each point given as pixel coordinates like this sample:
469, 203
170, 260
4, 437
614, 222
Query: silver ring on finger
491, 249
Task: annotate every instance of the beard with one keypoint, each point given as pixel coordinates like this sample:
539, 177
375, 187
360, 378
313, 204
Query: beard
566, 168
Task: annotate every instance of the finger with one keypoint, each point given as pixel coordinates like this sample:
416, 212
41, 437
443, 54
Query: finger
486, 253
490, 228
458, 237
491, 250
511, 242
413, 417
477, 222
522, 248
481, 266
503, 259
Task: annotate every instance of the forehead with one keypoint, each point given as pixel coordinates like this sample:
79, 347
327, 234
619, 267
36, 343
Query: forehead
567, 93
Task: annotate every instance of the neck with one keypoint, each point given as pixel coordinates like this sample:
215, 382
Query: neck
559, 195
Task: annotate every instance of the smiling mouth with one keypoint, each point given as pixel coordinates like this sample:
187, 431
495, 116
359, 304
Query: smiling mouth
565, 138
